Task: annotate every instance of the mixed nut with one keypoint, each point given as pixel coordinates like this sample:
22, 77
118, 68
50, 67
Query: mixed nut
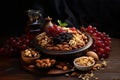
77, 40
30, 52
84, 61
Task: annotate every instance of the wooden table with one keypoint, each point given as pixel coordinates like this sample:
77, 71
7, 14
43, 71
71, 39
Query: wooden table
11, 69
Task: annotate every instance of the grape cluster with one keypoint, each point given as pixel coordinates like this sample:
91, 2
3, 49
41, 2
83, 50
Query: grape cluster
14, 45
102, 42
62, 37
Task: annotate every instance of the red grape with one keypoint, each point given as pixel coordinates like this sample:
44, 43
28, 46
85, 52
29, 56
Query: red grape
54, 30
102, 41
14, 45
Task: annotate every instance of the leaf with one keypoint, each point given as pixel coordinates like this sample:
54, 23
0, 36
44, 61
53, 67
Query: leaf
64, 24
61, 24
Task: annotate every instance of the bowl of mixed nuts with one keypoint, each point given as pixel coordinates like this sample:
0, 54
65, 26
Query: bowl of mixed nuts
29, 55
63, 42
65, 50
84, 63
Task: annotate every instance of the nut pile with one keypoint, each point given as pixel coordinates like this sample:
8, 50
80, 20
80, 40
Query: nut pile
84, 61
78, 40
30, 52
45, 63
99, 66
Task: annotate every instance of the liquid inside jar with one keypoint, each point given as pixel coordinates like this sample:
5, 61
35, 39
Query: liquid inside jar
33, 29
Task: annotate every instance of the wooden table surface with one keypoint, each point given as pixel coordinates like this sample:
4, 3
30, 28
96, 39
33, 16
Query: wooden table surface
11, 69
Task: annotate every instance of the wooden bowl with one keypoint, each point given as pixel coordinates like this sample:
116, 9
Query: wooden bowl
28, 60
65, 54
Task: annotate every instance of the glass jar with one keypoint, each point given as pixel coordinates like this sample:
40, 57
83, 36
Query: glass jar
35, 24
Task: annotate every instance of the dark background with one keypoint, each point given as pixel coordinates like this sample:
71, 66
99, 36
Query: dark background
103, 14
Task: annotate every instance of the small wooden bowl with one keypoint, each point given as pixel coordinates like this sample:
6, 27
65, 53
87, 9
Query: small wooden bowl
28, 60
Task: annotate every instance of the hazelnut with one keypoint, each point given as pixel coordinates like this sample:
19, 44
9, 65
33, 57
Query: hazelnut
53, 61
65, 68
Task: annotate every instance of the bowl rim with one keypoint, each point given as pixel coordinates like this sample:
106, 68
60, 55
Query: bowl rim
53, 52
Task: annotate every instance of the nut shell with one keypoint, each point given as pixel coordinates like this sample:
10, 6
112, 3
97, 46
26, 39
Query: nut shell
93, 54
